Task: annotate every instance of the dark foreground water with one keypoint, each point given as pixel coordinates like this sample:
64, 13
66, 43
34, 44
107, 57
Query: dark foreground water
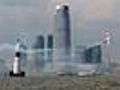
61, 83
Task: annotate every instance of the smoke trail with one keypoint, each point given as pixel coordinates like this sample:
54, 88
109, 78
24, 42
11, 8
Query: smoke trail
6, 46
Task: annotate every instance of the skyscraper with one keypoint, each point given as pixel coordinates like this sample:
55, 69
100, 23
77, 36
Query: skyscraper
39, 44
93, 54
62, 31
50, 42
50, 48
40, 53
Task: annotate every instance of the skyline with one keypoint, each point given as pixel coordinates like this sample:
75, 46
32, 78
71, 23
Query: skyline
35, 17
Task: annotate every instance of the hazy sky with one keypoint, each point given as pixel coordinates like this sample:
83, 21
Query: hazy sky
89, 19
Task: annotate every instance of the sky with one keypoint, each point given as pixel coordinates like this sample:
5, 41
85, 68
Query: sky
89, 20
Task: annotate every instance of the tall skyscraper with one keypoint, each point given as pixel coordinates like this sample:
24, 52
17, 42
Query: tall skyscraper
50, 42
62, 31
50, 47
39, 55
39, 44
